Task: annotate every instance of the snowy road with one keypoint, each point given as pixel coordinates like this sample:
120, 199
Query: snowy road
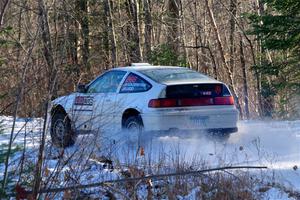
272, 144
275, 144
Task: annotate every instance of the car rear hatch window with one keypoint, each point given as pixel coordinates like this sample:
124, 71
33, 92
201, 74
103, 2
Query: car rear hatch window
194, 95
176, 74
196, 90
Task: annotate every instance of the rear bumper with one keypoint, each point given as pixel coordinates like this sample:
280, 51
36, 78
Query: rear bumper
194, 133
208, 119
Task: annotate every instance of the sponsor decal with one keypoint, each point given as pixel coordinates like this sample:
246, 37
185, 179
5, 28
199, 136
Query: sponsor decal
131, 79
84, 100
218, 89
202, 93
127, 88
205, 93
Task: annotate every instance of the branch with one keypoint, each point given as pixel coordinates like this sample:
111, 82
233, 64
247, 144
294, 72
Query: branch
196, 47
2, 11
45, 190
17, 102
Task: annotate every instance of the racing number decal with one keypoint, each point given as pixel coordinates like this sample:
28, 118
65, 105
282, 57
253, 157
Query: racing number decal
84, 101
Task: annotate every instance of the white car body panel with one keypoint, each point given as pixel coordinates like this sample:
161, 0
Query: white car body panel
104, 111
185, 118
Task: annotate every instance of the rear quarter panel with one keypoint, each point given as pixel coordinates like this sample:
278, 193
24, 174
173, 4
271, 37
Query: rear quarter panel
138, 101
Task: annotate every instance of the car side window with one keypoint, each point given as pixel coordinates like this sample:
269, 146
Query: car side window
134, 83
107, 83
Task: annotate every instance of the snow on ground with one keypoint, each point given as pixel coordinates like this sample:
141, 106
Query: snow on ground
275, 144
272, 144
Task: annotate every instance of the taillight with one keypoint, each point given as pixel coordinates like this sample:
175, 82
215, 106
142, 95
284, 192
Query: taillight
181, 102
228, 100
161, 103
204, 101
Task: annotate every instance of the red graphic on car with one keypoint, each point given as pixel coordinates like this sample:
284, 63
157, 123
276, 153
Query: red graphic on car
84, 100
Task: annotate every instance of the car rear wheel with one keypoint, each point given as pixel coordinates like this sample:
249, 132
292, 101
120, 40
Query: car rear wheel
134, 128
221, 134
61, 131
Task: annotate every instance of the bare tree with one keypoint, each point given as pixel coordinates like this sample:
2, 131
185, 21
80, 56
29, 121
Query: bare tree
111, 32
82, 6
173, 17
86, 37
133, 31
232, 10
3, 7
48, 54
16, 109
228, 71
244, 76
148, 29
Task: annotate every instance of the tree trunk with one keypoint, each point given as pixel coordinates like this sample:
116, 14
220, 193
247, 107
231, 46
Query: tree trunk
124, 47
231, 34
183, 35
223, 59
19, 97
197, 35
215, 71
48, 54
105, 38
111, 32
200, 42
257, 73
3, 7
173, 8
82, 6
244, 76
133, 31
158, 31
148, 30
72, 43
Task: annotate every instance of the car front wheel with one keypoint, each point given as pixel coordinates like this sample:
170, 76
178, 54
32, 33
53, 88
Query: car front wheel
61, 132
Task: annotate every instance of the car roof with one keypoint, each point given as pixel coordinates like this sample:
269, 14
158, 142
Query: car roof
144, 67
140, 68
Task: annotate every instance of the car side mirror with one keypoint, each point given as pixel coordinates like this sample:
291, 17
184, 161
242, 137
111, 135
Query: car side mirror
81, 88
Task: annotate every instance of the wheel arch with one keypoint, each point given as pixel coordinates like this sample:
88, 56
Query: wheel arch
129, 112
58, 109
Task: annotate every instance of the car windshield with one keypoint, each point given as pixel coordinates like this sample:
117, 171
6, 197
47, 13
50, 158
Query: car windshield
164, 75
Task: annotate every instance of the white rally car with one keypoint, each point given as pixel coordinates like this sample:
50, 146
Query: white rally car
144, 98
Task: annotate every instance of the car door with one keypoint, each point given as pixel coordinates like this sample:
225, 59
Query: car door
104, 91
82, 111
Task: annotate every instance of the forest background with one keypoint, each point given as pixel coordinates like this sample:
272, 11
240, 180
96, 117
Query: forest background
48, 47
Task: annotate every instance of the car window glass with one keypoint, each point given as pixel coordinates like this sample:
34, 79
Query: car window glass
134, 83
107, 83
177, 74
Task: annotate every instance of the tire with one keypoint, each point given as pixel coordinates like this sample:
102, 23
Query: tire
61, 131
219, 135
134, 128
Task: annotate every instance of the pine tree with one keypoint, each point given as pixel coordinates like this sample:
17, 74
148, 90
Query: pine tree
278, 30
